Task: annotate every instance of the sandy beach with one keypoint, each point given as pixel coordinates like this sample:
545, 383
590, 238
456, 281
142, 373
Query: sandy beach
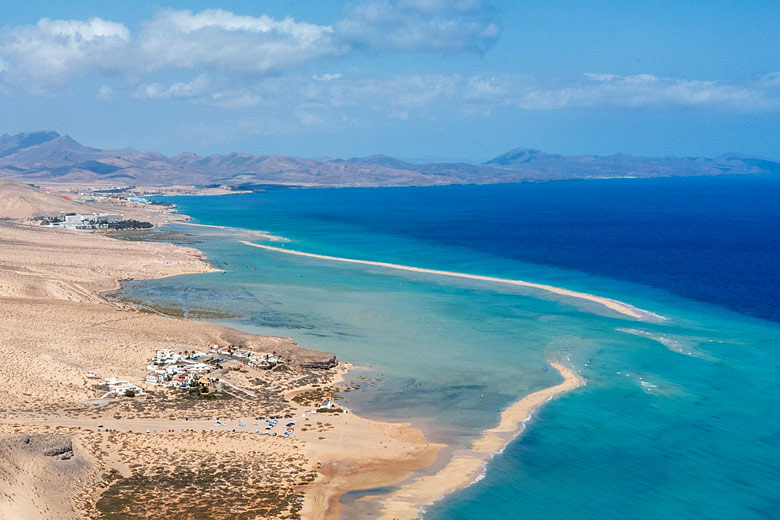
260, 234
614, 305
467, 465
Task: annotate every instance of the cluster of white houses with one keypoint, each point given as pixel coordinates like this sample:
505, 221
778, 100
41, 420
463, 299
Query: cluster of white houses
179, 371
250, 357
88, 221
176, 370
120, 387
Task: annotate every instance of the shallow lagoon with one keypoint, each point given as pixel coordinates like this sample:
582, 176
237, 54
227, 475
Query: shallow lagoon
678, 418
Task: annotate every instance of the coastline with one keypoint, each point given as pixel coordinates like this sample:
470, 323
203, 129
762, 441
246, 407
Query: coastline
617, 306
468, 466
353, 466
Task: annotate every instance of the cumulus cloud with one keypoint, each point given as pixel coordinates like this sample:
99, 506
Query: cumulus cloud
53, 52
221, 40
422, 25
219, 58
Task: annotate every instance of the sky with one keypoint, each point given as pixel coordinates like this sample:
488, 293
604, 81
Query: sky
462, 79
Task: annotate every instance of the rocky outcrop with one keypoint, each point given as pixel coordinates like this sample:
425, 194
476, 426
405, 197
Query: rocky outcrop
286, 348
47, 444
323, 360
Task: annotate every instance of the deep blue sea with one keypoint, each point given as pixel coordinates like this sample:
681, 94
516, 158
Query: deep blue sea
680, 417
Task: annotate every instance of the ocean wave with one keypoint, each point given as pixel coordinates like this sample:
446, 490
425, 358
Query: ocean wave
673, 344
644, 384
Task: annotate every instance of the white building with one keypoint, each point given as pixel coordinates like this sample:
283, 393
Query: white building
120, 387
165, 357
93, 221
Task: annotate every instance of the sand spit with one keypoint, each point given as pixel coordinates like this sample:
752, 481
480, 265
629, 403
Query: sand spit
259, 234
620, 307
467, 466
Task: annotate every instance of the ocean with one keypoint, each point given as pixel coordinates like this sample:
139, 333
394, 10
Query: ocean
679, 417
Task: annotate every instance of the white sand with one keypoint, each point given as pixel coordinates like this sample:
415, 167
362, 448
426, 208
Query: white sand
620, 307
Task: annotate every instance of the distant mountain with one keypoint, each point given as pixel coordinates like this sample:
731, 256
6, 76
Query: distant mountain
51, 157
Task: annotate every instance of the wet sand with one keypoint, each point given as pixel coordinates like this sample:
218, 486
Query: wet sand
260, 234
620, 307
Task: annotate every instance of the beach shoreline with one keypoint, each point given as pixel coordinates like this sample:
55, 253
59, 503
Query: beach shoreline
340, 476
468, 466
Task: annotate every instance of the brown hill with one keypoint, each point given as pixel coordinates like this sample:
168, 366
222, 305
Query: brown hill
21, 201
48, 157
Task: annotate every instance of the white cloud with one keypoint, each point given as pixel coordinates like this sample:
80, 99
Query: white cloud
420, 25
217, 39
184, 89
202, 90
241, 98
219, 58
53, 52
312, 101
105, 93
327, 77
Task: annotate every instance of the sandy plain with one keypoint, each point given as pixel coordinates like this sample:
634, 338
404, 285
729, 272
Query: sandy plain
65, 453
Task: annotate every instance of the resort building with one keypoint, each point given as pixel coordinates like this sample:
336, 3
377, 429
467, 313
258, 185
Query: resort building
93, 221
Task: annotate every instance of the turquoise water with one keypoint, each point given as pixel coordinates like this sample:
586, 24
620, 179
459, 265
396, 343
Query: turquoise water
679, 417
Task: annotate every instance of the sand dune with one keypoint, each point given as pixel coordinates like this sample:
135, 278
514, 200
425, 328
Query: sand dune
20, 200
620, 307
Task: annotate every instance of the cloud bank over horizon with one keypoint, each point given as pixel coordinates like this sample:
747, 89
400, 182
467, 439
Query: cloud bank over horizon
47, 55
240, 61
360, 65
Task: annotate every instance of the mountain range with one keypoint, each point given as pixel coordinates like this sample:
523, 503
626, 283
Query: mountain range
52, 158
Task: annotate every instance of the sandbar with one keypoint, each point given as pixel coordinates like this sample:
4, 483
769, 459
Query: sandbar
466, 466
617, 306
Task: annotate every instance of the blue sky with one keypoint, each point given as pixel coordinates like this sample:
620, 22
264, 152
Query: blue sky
459, 78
